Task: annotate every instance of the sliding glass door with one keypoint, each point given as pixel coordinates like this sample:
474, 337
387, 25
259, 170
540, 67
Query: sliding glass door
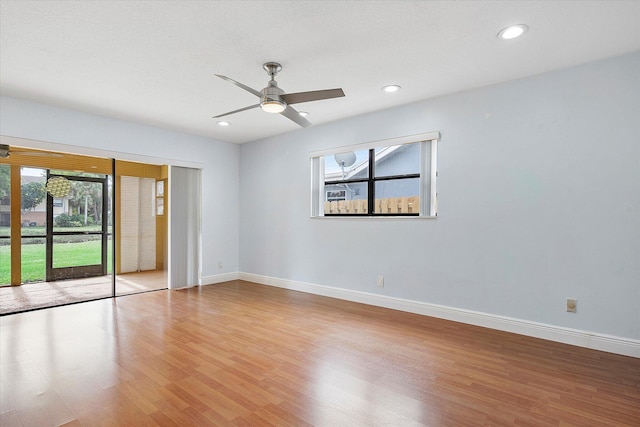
77, 243
77, 228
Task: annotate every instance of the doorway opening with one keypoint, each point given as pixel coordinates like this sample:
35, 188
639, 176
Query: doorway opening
61, 240
77, 248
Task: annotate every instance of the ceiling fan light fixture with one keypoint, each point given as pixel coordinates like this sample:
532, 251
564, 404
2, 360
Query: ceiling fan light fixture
223, 123
273, 106
512, 31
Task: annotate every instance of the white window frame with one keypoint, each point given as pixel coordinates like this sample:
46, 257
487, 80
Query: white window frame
428, 190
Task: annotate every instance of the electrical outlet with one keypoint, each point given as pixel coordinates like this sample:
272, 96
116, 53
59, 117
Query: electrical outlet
219, 264
381, 281
572, 305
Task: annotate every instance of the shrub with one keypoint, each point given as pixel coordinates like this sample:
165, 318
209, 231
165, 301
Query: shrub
75, 220
62, 220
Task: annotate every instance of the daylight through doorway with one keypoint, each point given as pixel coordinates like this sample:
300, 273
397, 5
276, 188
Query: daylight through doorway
62, 248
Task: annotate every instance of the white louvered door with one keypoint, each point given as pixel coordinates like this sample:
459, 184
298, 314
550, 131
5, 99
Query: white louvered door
137, 224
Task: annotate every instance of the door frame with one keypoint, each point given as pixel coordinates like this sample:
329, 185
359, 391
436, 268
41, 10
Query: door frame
76, 272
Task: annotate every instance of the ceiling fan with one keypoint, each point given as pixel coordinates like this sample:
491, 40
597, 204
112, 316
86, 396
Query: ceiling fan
275, 100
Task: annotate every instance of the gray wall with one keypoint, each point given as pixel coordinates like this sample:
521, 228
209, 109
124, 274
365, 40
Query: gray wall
539, 197
220, 163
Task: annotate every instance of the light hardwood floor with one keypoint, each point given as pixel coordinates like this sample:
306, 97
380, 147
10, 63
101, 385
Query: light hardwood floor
239, 353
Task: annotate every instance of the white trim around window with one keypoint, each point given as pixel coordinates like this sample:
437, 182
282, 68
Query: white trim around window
427, 183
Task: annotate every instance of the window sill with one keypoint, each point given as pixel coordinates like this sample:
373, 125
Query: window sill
371, 217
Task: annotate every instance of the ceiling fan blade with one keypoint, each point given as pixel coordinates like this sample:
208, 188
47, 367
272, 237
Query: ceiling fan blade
316, 95
292, 114
245, 87
236, 111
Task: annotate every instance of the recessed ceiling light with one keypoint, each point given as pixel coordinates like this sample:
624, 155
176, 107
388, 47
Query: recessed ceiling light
512, 31
391, 88
223, 123
303, 113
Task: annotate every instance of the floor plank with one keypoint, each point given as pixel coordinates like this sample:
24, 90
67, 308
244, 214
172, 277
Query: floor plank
244, 354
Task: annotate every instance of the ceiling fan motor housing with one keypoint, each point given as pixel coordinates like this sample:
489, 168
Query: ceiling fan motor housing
270, 100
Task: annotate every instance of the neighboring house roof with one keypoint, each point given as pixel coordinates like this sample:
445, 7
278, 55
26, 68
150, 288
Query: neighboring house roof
380, 157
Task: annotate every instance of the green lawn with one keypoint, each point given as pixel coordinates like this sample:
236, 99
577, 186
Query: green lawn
65, 255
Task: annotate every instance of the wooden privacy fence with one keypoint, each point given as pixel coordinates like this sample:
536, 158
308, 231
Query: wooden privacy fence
400, 205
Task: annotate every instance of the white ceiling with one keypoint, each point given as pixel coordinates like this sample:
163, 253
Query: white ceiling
154, 61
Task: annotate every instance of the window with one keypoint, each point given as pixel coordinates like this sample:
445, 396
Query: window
393, 177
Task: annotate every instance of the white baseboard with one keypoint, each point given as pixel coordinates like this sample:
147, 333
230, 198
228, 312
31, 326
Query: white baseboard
592, 340
218, 278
